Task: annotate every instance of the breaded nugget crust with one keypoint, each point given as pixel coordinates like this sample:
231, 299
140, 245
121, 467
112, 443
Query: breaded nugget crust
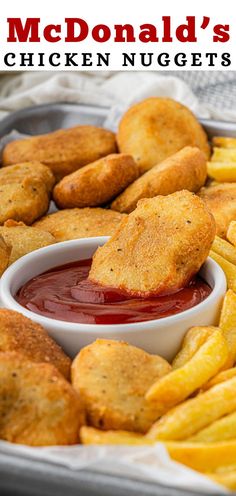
80, 223
112, 378
97, 183
64, 151
20, 334
155, 128
221, 201
16, 173
185, 169
158, 247
25, 201
23, 239
38, 407
4, 255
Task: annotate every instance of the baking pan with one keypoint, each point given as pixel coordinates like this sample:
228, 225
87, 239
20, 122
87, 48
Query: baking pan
41, 119
21, 476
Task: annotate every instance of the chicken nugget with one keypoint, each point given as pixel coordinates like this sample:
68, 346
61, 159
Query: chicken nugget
185, 169
97, 183
221, 201
38, 407
158, 247
80, 223
20, 334
25, 201
64, 151
112, 378
23, 239
5, 252
16, 173
155, 128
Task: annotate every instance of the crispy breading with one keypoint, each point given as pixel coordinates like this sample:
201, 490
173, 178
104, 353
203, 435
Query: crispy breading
221, 201
16, 173
80, 223
112, 378
24, 201
38, 407
97, 183
23, 239
20, 334
185, 169
158, 247
155, 128
64, 151
5, 252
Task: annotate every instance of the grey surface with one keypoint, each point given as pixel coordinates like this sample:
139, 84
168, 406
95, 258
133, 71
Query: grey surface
41, 119
23, 477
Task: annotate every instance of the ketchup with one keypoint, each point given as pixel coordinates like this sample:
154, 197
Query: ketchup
65, 293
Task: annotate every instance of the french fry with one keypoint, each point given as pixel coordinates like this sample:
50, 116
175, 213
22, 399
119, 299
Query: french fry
89, 435
223, 429
223, 155
228, 268
223, 376
228, 325
227, 479
225, 249
231, 232
204, 457
193, 415
178, 384
224, 142
193, 340
222, 172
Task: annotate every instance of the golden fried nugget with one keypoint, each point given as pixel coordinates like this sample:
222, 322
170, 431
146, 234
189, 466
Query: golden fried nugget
64, 151
155, 128
20, 334
25, 201
23, 239
185, 169
80, 223
158, 247
96, 183
221, 201
112, 378
38, 407
16, 173
5, 252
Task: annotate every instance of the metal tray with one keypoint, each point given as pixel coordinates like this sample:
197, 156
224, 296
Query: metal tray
42, 119
21, 476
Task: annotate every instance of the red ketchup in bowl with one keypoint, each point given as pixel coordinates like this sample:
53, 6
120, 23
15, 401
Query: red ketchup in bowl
65, 293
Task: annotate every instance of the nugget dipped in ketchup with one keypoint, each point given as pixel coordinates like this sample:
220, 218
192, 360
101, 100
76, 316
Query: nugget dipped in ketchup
157, 248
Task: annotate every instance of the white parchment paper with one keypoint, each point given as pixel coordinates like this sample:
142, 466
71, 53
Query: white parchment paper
148, 463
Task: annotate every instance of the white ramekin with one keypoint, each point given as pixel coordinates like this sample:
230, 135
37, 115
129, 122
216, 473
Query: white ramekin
161, 336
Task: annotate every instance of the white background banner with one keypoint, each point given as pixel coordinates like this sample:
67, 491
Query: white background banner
124, 35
